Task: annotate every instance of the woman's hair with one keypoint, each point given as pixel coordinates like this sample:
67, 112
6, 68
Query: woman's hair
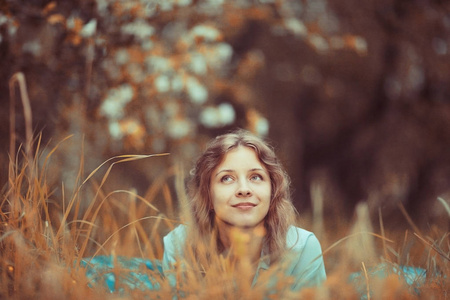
281, 212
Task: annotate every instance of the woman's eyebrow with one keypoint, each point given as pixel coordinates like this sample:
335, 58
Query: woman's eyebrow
257, 169
224, 171
262, 170
231, 171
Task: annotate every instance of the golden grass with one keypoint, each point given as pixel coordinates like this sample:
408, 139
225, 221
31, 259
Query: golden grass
43, 241
42, 245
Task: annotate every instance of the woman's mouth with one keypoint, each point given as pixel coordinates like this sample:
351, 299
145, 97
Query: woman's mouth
244, 205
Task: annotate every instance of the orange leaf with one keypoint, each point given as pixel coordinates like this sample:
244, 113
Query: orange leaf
56, 18
49, 7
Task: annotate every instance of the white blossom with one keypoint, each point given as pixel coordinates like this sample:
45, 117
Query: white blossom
162, 83
219, 55
224, 51
214, 117
89, 29
33, 46
178, 128
112, 107
296, 27
318, 42
121, 57
70, 23
196, 91
147, 45
198, 64
158, 64
227, 114
139, 28
184, 2
360, 45
166, 5
262, 126
208, 117
114, 130
208, 33
3, 19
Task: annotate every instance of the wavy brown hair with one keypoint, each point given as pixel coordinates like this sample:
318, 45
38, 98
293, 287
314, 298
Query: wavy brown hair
281, 212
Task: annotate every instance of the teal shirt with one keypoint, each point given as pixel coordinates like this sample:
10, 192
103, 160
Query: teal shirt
304, 261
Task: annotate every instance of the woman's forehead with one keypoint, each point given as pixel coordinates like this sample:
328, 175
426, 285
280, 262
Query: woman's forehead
241, 156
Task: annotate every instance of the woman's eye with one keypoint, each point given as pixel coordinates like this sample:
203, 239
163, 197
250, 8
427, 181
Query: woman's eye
226, 178
256, 177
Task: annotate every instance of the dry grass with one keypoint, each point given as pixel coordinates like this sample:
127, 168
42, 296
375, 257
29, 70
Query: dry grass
43, 241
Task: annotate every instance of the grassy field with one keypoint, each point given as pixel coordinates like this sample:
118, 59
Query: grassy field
43, 240
51, 242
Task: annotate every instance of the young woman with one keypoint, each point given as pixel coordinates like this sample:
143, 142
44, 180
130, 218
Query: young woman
241, 212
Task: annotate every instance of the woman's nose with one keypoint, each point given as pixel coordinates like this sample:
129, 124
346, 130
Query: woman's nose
243, 189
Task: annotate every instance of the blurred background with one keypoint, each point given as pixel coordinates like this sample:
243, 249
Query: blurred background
354, 96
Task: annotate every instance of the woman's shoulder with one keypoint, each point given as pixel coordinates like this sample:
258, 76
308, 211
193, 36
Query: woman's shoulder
298, 238
177, 235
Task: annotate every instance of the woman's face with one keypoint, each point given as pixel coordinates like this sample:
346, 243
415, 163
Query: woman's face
240, 189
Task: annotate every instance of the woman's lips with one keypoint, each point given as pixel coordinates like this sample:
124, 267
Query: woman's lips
244, 205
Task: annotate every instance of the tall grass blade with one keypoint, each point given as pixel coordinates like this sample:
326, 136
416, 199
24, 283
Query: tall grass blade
445, 204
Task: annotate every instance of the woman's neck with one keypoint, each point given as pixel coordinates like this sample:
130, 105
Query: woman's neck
242, 243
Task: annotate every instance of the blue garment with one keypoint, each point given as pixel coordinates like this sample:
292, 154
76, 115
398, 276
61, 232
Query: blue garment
135, 273
303, 261
413, 277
